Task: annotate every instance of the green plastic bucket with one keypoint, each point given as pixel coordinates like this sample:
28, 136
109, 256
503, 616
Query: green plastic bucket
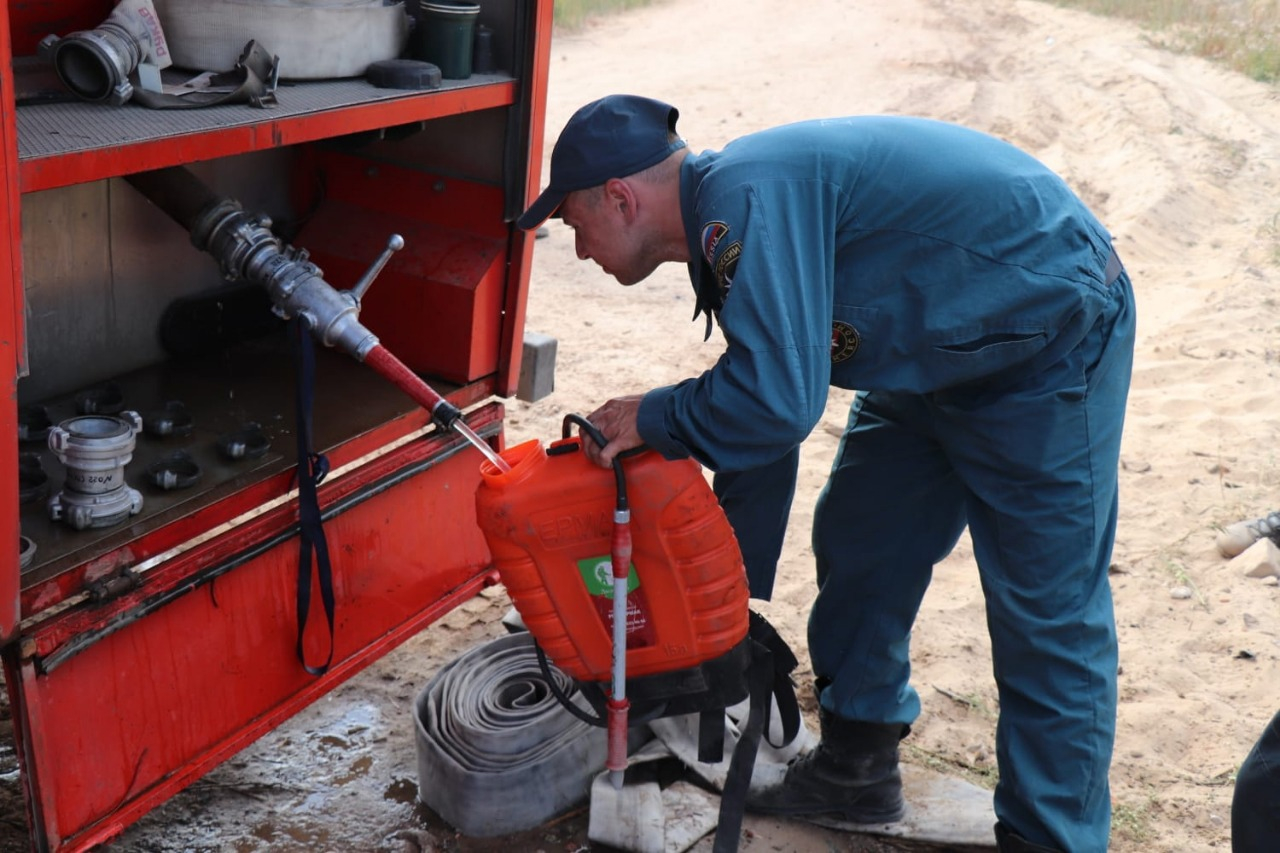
446, 35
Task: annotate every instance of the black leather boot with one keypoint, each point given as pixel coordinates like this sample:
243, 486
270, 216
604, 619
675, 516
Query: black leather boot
1010, 842
851, 776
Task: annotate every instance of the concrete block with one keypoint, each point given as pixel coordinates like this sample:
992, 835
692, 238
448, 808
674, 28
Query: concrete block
537, 367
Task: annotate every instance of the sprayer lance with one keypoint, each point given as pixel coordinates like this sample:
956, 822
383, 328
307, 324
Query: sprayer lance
247, 250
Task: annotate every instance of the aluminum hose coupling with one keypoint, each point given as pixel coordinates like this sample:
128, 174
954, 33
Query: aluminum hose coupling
96, 64
94, 450
247, 250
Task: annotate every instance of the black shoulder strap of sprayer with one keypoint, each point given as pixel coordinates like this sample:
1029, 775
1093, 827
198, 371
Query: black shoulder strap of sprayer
311, 471
769, 683
781, 687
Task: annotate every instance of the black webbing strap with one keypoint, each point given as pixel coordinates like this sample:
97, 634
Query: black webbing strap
769, 683
733, 797
312, 468
782, 688
711, 735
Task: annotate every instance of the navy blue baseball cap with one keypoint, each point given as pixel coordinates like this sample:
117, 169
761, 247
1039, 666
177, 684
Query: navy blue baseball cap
613, 137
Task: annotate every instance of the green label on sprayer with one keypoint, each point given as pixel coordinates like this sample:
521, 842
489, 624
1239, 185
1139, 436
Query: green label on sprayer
597, 574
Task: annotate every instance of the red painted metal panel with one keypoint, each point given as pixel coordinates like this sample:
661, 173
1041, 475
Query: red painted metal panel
404, 193
438, 303
151, 704
521, 253
50, 637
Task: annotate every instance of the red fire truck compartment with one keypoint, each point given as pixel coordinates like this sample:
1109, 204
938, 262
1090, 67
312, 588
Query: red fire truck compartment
151, 649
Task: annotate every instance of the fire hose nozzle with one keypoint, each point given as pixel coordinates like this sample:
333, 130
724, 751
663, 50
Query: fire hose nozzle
445, 414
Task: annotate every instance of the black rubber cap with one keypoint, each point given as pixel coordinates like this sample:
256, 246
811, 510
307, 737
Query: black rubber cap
403, 74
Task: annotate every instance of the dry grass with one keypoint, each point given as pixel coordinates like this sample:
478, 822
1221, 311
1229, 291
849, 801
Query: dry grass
572, 14
1243, 35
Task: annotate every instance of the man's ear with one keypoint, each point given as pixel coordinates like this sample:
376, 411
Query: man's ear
620, 196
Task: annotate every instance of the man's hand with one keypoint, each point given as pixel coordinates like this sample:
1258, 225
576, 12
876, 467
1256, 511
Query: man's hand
616, 419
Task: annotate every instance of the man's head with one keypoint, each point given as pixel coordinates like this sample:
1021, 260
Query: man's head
614, 137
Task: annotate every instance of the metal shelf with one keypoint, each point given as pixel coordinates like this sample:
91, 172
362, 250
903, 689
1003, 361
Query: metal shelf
70, 143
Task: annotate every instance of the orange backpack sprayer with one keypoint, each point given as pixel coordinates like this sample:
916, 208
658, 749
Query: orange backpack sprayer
634, 578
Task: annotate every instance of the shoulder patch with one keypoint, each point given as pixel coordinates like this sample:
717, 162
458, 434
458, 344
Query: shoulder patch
727, 266
712, 234
845, 341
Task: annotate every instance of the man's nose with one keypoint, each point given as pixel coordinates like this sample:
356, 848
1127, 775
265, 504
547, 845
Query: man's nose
577, 245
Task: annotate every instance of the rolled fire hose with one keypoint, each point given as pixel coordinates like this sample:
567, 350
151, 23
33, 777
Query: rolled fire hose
497, 752
315, 39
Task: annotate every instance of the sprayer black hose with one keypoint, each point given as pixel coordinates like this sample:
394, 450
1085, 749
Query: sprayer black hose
563, 698
585, 426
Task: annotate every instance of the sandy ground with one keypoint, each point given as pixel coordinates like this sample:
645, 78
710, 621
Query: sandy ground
1179, 158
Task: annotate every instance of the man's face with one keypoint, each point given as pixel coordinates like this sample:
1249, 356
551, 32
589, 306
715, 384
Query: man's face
604, 233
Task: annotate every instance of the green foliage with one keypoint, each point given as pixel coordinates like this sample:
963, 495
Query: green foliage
1131, 821
1263, 63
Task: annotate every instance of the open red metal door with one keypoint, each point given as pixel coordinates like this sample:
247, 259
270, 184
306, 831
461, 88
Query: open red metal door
11, 343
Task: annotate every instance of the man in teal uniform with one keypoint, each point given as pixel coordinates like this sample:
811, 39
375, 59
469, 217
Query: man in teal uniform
1255, 803
984, 318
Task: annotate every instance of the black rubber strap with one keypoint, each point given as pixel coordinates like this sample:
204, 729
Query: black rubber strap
312, 468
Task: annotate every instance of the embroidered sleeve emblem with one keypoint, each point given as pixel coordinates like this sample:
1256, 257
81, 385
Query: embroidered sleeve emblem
845, 341
726, 267
712, 234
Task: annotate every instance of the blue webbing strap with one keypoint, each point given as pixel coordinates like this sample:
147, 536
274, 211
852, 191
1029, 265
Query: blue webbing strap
312, 468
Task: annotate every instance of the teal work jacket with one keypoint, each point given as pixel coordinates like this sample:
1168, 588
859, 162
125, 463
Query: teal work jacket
870, 253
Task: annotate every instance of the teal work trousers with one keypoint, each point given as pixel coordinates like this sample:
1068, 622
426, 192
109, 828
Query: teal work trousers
1030, 464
